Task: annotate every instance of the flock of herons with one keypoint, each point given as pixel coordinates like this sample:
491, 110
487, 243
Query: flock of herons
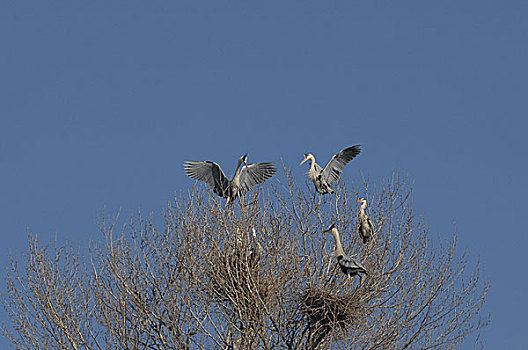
248, 175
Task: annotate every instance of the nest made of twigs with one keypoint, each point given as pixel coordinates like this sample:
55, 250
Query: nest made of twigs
325, 310
237, 277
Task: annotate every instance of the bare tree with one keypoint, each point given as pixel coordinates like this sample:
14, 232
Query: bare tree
259, 275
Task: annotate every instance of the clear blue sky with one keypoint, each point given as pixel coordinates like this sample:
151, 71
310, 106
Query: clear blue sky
102, 101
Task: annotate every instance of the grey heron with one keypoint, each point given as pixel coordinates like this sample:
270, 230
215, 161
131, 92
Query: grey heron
244, 178
256, 250
365, 227
348, 265
324, 178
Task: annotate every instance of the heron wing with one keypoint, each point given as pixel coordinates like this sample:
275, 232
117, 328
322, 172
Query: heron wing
348, 263
371, 227
254, 174
334, 168
365, 228
210, 173
318, 168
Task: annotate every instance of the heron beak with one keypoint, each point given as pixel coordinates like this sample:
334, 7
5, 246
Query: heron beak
304, 160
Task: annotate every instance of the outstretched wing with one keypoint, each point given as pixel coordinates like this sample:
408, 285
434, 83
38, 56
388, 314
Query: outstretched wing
334, 168
210, 173
255, 174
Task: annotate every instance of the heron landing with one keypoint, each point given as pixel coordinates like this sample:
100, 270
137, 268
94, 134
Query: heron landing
323, 179
244, 178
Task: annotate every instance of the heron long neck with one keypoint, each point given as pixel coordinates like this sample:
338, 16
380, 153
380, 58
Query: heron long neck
312, 162
362, 208
237, 171
339, 248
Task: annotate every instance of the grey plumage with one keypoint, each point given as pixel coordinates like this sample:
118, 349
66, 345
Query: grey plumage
348, 265
244, 178
365, 227
256, 250
323, 179
254, 174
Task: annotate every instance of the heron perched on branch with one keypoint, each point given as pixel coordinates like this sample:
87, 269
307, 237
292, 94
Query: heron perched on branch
324, 178
365, 227
245, 177
348, 265
256, 250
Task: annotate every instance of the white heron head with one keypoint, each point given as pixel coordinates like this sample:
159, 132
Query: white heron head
243, 160
306, 157
330, 228
363, 202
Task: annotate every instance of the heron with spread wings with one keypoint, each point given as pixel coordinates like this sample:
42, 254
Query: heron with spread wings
245, 177
323, 179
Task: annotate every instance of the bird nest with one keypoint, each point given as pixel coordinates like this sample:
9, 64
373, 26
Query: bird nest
326, 311
237, 278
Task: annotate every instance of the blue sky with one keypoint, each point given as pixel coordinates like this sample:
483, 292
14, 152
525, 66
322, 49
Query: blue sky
102, 101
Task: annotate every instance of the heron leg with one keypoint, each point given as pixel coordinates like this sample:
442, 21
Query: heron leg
345, 285
336, 206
